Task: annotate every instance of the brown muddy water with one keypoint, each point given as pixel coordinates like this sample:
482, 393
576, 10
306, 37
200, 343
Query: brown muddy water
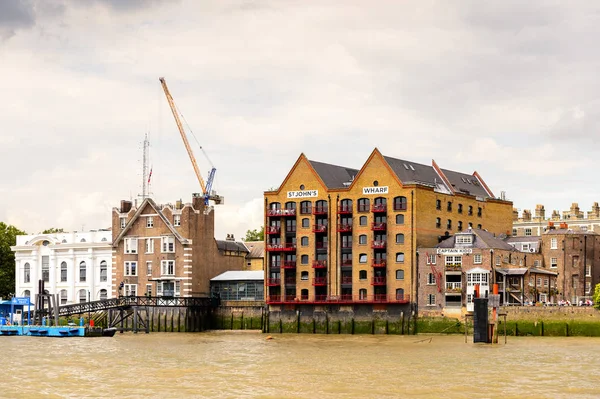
246, 365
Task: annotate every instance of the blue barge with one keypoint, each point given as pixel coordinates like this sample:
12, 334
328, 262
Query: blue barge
43, 331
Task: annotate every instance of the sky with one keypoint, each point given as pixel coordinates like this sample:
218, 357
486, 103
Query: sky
506, 88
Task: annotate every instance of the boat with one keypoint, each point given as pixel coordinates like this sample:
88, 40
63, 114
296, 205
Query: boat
109, 332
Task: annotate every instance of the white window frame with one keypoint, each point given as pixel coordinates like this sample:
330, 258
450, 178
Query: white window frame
588, 270
167, 267
536, 263
177, 288
452, 260
167, 244
527, 231
123, 222
431, 300
554, 243
150, 221
176, 220
149, 289
130, 289
431, 259
553, 263
149, 245
130, 268
131, 245
588, 287
431, 280
148, 268
525, 247
464, 239
477, 259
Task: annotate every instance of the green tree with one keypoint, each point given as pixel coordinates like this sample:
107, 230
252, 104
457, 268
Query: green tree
8, 238
596, 297
255, 235
52, 230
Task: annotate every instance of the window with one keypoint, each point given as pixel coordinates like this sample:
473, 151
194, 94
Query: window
306, 223
546, 282
123, 222
362, 258
82, 272
82, 296
399, 294
553, 262
46, 268
26, 273
400, 203
304, 259
449, 224
149, 245
131, 245
536, 263
430, 279
431, 300
130, 289
399, 218
130, 268
453, 261
363, 205
460, 208
438, 223
527, 232
63, 272
304, 294
149, 221
588, 270
588, 287
498, 260
438, 205
305, 208
539, 282
554, 243
431, 259
176, 221
362, 239
400, 274
304, 276
459, 227
149, 289
400, 238
362, 220
525, 247
449, 207
63, 297
400, 257
362, 294
148, 268
103, 271
167, 244
82, 240
477, 259
290, 205
167, 267
514, 232
304, 241
177, 288
362, 275
346, 206
479, 226
479, 211
470, 211
464, 239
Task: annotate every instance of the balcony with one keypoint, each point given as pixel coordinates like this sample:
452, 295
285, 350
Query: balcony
321, 245
379, 208
319, 228
378, 226
275, 264
319, 264
273, 229
378, 244
289, 264
274, 298
345, 210
347, 263
319, 281
281, 212
344, 228
273, 282
319, 210
287, 247
290, 281
346, 245
290, 229
453, 267
340, 299
400, 206
378, 281
453, 287
346, 280
379, 263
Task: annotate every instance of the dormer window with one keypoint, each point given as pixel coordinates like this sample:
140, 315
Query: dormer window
464, 239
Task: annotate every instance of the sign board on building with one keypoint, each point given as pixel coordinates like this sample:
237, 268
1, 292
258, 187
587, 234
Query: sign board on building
454, 251
375, 190
303, 194
20, 301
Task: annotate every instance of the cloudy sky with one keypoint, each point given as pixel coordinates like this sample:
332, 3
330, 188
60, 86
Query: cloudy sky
507, 88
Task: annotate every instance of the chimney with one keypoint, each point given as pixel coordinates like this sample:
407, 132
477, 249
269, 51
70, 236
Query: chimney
515, 214
198, 201
540, 212
526, 215
125, 206
564, 226
230, 237
550, 225
178, 204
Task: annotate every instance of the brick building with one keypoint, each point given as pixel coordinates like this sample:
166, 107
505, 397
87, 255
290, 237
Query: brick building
168, 250
536, 224
449, 272
339, 234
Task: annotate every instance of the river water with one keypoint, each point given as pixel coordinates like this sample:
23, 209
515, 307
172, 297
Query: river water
247, 365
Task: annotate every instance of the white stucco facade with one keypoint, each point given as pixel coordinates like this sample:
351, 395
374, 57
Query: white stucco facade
77, 266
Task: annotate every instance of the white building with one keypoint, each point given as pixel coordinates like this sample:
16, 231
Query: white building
74, 265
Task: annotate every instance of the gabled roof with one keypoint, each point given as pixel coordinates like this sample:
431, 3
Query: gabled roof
240, 275
226, 245
569, 231
523, 239
482, 240
408, 172
136, 215
256, 249
333, 176
465, 183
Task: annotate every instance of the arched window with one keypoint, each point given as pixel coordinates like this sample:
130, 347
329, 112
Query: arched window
362, 275
399, 274
400, 203
305, 208
103, 239
362, 294
304, 241
304, 259
362, 221
82, 296
103, 271
304, 276
320, 207
460, 226
364, 205
400, 294
399, 218
449, 224
82, 240
380, 201
82, 272
362, 258
345, 206
304, 294
362, 239
438, 223
275, 205
63, 272
64, 241
26, 273
305, 222
400, 257
290, 205
103, 294
400, 238
63, 297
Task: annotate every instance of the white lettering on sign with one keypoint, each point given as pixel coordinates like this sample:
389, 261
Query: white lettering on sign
375, 190
454, 251
303, 194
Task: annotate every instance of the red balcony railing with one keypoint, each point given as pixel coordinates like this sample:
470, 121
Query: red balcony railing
378, 226
290, 229
400, 206
290, 298
281, 212
347, 280
378, 281
347, 262
273, 298
379, 263
379, 208
273, 229
288, 247
343, 299
319, 281
272, 282
319, 210
345, 210
344, 228
321, 245
378, 244
319, 228
319, 264
290, 281
289, 264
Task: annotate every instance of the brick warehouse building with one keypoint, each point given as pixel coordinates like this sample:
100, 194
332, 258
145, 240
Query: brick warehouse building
327, 227
166, 250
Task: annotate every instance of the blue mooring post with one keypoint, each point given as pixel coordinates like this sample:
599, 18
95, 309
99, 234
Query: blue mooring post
81, 321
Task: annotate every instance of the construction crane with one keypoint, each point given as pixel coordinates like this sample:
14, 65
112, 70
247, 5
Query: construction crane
207, 192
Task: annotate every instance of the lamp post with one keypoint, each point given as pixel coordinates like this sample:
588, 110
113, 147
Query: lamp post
89, 308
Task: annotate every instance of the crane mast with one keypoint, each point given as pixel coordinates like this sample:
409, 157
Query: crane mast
206, 187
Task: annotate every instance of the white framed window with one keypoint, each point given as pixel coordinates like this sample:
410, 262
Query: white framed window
130, 289
588, 287
362, 258
149, 268
525, 247
150, 221
123, 222
583, 228
103, 271
167, 267
177, 288
588, 270
554, 262
149, 289
131, 245
477, 259
464, 239
536, 263
159, 289
130, 268
539, 282
431, 300
167, 244
514, 232
498, 260
453, 260
553, 243
149, 245
430, 279
176, 220
431, 259
527, 232
546, 282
